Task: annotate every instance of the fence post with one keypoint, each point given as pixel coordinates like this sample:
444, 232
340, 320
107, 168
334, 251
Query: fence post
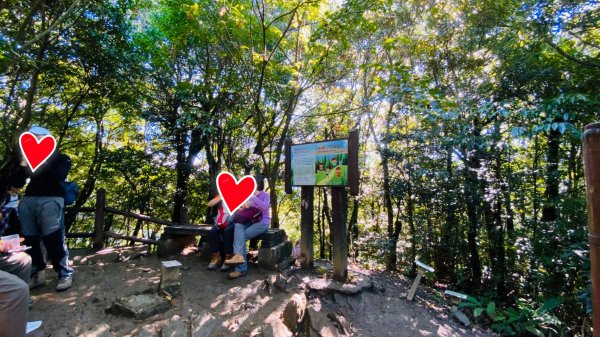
99, 219
184, 218
339, 207
307, 223
591, 160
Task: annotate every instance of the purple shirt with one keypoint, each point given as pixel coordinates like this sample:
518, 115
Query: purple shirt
262, 201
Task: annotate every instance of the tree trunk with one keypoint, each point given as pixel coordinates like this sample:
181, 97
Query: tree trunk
353, 228
472, 203
445, 256
549, 209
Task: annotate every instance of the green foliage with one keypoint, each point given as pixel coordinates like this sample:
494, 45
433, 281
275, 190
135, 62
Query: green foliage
517, 321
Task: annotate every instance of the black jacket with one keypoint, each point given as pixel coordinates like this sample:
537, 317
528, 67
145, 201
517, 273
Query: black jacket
45, 181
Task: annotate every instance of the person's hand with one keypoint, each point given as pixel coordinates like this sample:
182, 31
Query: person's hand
13, 191
5, 246
23, 162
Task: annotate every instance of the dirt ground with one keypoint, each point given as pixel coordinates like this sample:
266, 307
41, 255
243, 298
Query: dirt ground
240, 307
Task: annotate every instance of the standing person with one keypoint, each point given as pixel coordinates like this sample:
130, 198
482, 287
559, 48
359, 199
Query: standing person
221, 236
243, 232
41, 213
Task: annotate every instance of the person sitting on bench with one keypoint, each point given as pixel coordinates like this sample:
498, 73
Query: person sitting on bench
221, 236
247, 231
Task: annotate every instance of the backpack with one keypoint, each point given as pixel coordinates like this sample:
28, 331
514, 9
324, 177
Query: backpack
71, 191
222, 218
248, 215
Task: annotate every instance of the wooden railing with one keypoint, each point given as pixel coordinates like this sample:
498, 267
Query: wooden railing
102, 228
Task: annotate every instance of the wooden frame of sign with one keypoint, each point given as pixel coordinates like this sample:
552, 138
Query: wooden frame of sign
304, 166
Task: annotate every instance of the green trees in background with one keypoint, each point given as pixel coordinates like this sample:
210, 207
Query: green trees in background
470, 115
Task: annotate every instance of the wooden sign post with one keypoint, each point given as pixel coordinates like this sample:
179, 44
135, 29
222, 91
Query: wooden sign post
591, 159
334, 164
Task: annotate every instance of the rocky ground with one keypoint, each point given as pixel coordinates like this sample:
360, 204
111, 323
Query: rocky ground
262, 303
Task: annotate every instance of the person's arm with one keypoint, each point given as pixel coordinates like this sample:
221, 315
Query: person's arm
18, 178
62, 167
261, 201
214, 201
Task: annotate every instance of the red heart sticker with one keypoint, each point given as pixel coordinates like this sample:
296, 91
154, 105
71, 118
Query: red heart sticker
235, 193
35, 151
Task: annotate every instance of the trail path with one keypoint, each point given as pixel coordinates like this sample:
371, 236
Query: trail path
217, 306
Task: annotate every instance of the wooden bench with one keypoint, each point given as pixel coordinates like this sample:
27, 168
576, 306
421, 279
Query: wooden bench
275, 251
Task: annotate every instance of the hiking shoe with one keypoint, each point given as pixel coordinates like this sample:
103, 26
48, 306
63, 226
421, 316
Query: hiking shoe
64, 283
236, 274
215, 261
236, 259
38, 280
32, 326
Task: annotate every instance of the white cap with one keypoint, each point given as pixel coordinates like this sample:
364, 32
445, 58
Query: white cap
36, 130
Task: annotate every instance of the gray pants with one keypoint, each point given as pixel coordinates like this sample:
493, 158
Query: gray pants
14, 305
42, 219
18, 264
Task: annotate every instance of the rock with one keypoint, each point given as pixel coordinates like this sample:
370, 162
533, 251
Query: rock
320, 325
461, 317
294, 311
342, 324
276, 329
361, 283
148, 331
139, 306
274, 283
277, 257
175, 327
204, 324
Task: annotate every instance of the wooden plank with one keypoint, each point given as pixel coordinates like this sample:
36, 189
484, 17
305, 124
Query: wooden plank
79, 235
424, 266
307, 227
353, 172
415, 285
591, 160
273, 235
455, 294
99, 219
130, 238
288, 166
339, 206
140, 217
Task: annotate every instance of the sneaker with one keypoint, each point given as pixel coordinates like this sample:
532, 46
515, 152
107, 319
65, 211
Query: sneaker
38, 280
64, 283
236, 259
215, 261
236, 274
32, 326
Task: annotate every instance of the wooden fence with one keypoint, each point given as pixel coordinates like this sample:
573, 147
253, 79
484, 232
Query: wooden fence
102, 228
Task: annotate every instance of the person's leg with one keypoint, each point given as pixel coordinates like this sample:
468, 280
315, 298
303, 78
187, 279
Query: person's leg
216, 247
31, 233
214, 239
18, 264
250, 232
14, 304
58, 253
239, 238
53, 236
228, 234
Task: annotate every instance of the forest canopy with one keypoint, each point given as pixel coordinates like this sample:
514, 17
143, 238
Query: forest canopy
470, 116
